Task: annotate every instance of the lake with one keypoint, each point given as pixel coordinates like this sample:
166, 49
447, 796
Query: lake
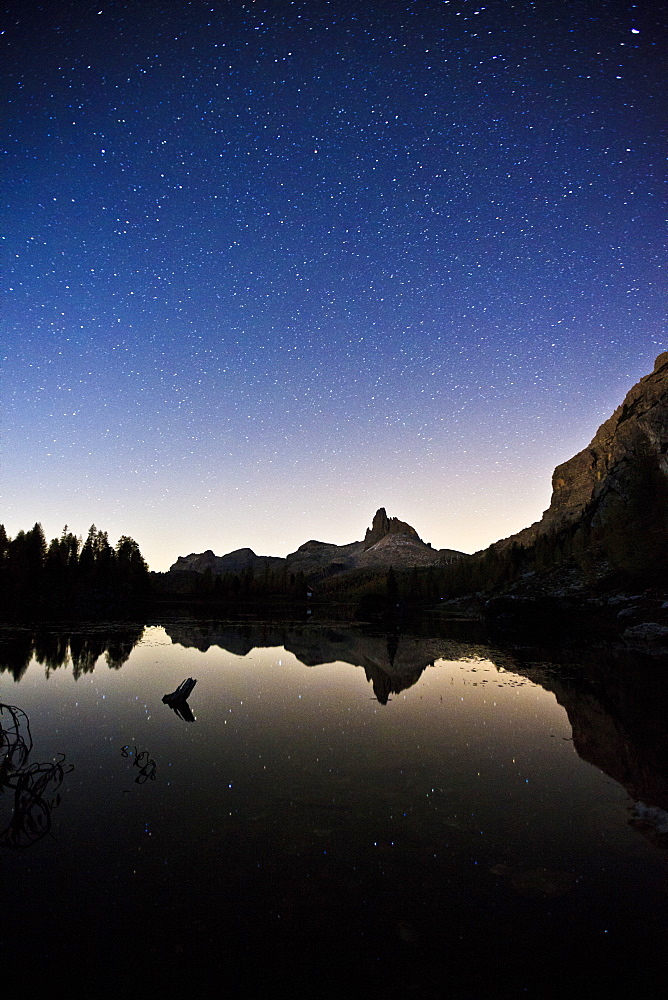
333, 811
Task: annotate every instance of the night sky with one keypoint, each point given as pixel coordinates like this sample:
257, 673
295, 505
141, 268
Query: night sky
270, 266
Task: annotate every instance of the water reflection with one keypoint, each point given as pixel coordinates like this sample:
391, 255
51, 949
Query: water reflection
615, 698
16, 652
447, 843
392, 662
617, 706
82, 647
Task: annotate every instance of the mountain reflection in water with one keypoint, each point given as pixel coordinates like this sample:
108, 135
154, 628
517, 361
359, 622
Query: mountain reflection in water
443, 843
616, 699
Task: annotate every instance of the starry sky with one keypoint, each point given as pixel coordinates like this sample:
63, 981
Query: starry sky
268, 266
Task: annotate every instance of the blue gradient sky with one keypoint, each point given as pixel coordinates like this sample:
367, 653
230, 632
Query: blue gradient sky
269, 266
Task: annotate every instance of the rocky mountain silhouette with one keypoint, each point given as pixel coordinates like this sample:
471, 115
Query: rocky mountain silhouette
609, 504
607, 519
388, 542
233, 562
627, 450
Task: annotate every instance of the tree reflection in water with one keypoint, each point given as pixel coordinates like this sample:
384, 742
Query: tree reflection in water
82, 646
36, 787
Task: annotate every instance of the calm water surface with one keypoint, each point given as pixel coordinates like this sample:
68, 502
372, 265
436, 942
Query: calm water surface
405, 816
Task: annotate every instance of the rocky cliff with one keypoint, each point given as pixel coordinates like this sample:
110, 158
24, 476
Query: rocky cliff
611, 498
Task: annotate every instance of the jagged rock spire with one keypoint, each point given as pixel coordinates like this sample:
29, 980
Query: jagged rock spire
383, 525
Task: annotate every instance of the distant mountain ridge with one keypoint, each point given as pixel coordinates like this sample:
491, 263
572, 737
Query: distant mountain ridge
607, 521
388, 542
234, 562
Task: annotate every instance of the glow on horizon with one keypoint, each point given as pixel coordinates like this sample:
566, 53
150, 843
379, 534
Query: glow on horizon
461, 508
270, 267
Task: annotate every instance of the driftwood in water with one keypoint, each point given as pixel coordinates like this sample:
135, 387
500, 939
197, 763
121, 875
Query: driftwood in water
178, 700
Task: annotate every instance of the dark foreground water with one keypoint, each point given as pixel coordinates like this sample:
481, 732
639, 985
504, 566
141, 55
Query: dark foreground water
362, 815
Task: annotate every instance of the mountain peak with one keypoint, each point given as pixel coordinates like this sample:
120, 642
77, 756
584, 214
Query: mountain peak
383, 525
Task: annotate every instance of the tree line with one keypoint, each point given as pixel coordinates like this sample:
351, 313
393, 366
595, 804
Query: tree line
69, 570
620, 541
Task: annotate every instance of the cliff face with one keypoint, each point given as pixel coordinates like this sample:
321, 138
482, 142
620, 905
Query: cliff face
402, 551
613, 495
